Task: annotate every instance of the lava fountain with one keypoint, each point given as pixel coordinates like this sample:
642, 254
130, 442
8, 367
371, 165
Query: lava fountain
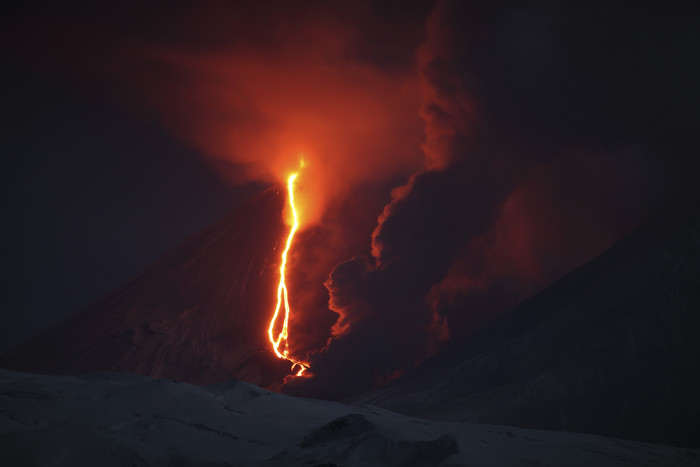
283, 295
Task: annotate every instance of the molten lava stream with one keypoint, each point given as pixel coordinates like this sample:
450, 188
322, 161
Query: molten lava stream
282, 294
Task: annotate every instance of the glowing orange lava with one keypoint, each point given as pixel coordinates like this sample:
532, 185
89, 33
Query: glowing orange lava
282, 295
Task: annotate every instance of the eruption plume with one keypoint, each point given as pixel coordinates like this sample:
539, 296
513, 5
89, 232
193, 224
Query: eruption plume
515, 140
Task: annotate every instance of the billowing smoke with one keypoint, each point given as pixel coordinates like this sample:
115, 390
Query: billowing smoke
521, 139
534, 164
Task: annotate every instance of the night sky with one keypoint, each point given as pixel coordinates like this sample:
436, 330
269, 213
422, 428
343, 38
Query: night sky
519, 141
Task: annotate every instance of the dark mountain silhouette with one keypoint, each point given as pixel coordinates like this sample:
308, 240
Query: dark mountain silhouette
612, 348
112, 420
198, 314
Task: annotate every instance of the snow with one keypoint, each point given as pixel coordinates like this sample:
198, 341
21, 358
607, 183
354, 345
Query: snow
122, 419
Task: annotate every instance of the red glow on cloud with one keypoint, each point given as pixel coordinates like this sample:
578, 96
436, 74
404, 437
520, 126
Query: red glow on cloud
303, 92
256, 87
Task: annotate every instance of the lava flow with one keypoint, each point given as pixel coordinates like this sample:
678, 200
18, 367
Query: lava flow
282, 295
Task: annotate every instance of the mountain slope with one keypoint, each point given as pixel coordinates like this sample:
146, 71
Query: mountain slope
119, 419
198, 314
611, 349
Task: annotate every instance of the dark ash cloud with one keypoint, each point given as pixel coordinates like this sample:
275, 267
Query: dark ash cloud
551, 131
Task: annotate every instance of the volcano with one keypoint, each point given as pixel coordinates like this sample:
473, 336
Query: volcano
610, 349
199, 314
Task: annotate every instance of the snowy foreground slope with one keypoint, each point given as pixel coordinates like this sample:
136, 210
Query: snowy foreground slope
122, 419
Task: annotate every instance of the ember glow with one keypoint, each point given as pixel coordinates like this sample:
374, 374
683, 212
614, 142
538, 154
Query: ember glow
282, 294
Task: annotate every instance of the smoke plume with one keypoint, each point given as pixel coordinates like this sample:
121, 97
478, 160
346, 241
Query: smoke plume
519, 140
523, 180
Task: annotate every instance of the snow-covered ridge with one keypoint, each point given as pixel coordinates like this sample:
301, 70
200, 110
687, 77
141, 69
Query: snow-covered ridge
122, 419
